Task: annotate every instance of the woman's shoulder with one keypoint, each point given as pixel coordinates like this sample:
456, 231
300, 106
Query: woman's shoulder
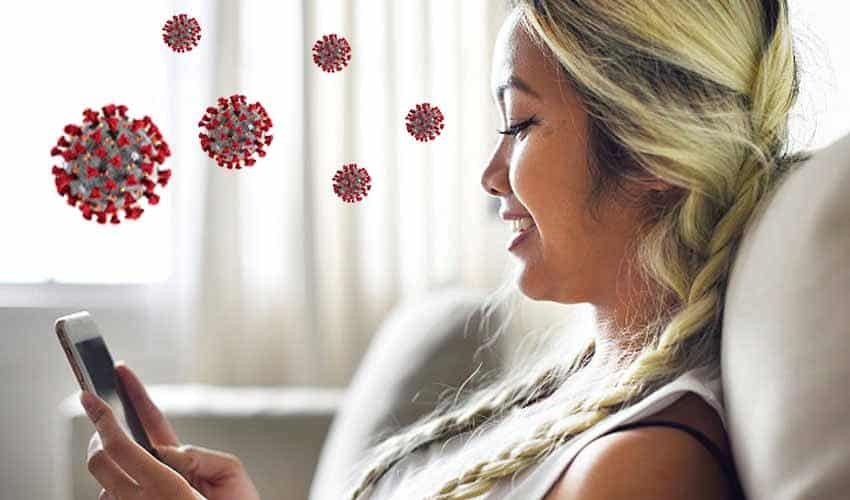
693, 411
674, 460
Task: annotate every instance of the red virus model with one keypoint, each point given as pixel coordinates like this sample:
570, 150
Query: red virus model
236, 131
109, 163
331, 53
424, 122
181, 33
352, 183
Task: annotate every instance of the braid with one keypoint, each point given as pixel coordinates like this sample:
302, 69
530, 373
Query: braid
522, 395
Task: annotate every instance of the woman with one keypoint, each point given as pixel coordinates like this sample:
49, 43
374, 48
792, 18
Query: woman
640, 138
639, 141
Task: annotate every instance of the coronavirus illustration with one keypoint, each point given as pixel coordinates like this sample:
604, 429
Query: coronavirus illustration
424, 122
352, 183
110, 162
181, 33
236, 132
331, 53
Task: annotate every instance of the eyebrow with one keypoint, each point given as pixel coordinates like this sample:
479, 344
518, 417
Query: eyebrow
517, 83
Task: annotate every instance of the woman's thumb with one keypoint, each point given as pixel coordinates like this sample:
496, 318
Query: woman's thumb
179, 458
196, 460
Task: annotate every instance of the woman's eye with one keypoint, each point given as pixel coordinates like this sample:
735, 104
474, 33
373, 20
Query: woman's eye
515, 129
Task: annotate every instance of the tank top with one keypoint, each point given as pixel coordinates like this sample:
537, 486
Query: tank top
415, 476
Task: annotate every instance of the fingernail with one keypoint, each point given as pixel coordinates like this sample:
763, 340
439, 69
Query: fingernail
94, 445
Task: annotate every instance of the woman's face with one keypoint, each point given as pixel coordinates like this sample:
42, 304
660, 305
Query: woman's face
542, 171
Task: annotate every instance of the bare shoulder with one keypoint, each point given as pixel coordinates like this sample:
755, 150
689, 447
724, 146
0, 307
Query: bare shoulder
654, 462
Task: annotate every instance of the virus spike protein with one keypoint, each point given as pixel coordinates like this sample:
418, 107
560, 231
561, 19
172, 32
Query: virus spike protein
236, 132
109, 164
331, 53
352, 183
181, 33
425, 122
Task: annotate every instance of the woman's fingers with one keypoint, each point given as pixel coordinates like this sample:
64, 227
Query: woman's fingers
201, 462
159, 430
126, 453
107, 473
104, 495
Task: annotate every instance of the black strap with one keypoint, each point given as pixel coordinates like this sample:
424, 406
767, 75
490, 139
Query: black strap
725, 462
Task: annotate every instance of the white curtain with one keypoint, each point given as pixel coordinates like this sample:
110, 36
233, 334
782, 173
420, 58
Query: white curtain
289, 282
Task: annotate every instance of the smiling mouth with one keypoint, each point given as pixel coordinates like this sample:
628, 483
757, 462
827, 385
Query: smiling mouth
523, 224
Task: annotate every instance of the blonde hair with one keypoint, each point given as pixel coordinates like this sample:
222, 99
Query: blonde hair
696, 93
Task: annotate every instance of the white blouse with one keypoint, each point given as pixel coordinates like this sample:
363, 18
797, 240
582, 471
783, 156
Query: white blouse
415, 476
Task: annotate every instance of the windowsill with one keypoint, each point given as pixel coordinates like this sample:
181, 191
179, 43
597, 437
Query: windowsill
50, 294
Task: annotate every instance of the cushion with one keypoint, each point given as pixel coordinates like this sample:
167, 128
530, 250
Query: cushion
419, 352
786, 337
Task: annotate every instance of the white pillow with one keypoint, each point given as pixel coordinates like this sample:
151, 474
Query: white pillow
786, 337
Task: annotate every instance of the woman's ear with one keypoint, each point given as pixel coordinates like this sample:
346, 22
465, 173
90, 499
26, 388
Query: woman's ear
657, 185
661, 194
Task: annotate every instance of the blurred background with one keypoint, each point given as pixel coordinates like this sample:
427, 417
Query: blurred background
263, 276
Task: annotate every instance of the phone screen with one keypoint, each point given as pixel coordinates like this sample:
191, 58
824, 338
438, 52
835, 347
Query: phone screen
97, 363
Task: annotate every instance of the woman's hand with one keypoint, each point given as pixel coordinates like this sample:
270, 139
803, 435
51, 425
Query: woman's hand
215, 474
124, 469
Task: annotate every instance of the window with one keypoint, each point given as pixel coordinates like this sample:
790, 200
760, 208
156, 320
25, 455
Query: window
60, 58
820, 40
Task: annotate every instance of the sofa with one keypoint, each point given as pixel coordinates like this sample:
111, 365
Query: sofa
785, 367
785, 360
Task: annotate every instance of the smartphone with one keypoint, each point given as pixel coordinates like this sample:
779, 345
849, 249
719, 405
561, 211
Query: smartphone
95, 371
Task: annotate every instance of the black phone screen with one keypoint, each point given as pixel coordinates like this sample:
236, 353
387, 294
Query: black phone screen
99, 364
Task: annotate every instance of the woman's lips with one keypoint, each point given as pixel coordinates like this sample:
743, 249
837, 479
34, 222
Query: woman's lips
521, 237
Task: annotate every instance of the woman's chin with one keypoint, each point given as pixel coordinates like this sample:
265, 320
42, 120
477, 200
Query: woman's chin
528, 282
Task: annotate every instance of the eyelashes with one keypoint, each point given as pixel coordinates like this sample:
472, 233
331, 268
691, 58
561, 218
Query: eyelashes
515, 129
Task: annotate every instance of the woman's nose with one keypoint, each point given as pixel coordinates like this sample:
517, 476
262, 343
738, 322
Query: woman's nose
494, 178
